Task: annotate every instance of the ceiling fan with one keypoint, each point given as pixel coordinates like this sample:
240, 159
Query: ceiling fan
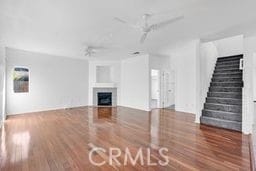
145, 28
90, 50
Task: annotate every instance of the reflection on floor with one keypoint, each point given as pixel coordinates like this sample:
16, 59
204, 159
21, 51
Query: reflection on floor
62, 140
153, 103
172, 107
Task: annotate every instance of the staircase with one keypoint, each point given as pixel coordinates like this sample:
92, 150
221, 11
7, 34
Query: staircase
223, 106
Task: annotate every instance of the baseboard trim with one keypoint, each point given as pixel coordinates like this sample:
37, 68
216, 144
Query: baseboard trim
46, 110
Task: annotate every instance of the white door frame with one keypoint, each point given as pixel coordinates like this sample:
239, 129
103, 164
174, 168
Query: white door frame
159, 86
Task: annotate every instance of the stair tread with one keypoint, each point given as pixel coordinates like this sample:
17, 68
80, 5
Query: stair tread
224, 76
232, 82
224, 87
238, 74
227, 92
224, 98
227, 63
217, 119
229, 69
227, 66
220, 104
222, 123
228, 60
234, 61
232, 73
230, 113
231, 56
228, 81
221, 80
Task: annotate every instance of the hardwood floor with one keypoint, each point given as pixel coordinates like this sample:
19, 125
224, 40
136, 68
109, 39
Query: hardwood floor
62, 140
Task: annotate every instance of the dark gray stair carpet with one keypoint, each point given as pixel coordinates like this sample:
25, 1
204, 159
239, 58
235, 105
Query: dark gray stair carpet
223, 106
228, 101
228, 63
225, 89
222, 123
228, 70
222, 115
227, 84
230, 75
226, 79
236, 95
227, 67
230, 58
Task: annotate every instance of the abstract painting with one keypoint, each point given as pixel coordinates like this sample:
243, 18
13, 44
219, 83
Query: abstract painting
21, 80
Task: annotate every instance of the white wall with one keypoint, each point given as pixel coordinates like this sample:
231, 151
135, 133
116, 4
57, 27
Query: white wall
229, 46
115, 77
55, 82
135, 82
2, 83
208, 59
254, 75
159, 62
249, 88
184, 60
162, 63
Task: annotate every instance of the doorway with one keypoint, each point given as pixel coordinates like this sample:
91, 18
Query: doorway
155, 89
162, 89
168, 89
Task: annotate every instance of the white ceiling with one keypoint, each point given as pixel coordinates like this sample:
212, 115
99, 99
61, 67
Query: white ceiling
63, 27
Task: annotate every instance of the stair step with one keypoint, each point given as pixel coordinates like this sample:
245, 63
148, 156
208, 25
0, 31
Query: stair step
227, 101
232, 75
233, 125
222, 115
224, 63
227, 84
225, 89
226, 79
226, 70
227, 67
223, 107
236, 95
230, 58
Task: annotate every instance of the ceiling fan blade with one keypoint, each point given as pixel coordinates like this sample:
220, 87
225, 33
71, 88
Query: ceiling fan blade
143, 38
165, 23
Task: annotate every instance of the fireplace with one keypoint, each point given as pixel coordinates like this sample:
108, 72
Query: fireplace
104, 99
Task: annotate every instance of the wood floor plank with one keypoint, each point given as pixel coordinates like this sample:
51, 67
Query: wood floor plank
62, 140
